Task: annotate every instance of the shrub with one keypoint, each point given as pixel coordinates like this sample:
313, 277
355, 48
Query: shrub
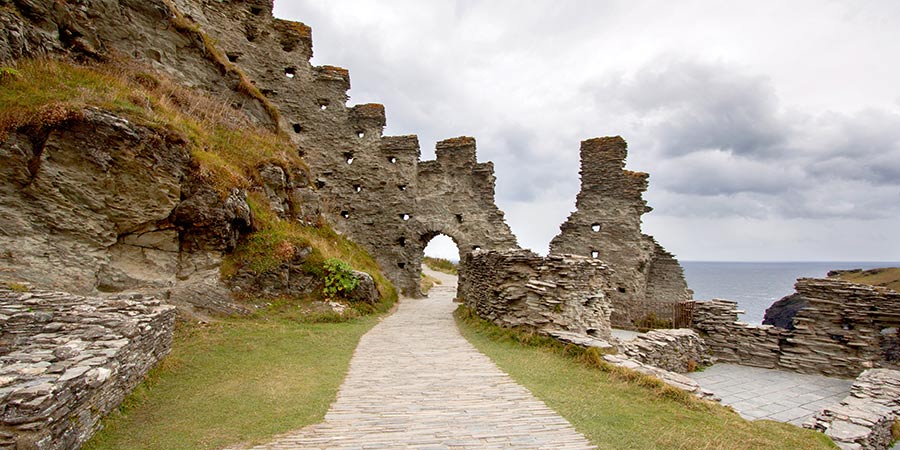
339, 278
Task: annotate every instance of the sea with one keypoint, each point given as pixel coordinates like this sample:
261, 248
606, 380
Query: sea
756, 285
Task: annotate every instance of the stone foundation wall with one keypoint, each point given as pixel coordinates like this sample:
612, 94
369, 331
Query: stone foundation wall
66, 361
863, 419
846, 329
518, 288
680, 350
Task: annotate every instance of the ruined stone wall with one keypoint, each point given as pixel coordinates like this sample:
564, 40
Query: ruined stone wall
680, 350
371, 187
518, 288
607, 225
66, 361
863, 420
737, 342
846, 329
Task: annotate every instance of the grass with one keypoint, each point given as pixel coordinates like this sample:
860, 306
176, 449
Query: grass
441, 265
888, 277
238, 380
276, 240
227, 148
617, 408
427, 282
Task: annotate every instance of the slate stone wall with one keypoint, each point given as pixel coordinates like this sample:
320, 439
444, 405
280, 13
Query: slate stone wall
518, 288
846, 329
66, 361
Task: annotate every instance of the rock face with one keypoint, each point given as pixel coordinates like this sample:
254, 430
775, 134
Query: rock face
517, 288
607, 225
66, 361
845, 329
679, 350
781, 314
864, 419
100, 204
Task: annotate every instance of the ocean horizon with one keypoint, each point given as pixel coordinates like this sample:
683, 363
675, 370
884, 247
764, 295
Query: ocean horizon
756, 285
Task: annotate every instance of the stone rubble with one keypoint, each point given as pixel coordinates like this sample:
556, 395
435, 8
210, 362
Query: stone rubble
846, 329
679, 350
673, 379
863, 420
66, 361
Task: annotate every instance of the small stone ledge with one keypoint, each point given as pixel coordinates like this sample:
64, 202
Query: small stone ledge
671, 378
680, 350
864, 418
66, 361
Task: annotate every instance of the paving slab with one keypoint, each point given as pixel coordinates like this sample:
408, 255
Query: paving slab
415, 382
757, 393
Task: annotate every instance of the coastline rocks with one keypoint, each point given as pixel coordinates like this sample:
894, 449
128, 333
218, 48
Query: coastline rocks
781, 314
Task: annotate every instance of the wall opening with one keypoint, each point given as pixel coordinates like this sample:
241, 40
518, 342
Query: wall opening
444, 249
595, 228
290, 72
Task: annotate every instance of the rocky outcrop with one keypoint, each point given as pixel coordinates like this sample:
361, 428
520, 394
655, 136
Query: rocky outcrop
781, 314
679, 350
845, 329
66, 361
99, 204
518, 288
607, 226
864, 419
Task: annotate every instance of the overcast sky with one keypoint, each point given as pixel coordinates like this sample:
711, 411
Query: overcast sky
770, 129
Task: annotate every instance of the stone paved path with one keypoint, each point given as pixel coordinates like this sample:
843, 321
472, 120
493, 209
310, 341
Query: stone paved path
415, 382
779, 395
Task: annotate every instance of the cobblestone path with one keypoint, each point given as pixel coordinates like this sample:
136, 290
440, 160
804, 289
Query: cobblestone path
415, 382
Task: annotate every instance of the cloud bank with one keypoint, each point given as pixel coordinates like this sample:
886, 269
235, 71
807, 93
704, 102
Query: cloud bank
771, 131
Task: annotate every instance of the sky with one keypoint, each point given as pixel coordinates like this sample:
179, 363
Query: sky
770, 129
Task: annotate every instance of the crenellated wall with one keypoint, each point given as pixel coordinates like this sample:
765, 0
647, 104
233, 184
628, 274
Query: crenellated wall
607, 225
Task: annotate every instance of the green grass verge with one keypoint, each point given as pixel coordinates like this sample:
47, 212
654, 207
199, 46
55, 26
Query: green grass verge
888, 277
441, 265
239, 380
622, 409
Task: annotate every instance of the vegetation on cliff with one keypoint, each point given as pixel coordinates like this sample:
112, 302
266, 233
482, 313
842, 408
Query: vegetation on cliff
888, 277
441, 265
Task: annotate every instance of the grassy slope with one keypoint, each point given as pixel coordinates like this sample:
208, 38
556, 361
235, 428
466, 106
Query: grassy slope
235, 381
614, 413
441, 265
888, 277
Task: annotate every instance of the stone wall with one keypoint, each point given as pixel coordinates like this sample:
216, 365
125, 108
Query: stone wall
607, 225
518, 288
679, 350
863, 420
66, 361
845, 329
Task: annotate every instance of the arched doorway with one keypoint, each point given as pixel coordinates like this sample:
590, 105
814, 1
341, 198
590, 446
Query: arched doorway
440, 261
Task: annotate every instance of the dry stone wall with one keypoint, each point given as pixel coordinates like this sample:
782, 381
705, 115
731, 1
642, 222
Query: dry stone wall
607, 225
679, 350
66, 361
518, 288
863, 420
845, 329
